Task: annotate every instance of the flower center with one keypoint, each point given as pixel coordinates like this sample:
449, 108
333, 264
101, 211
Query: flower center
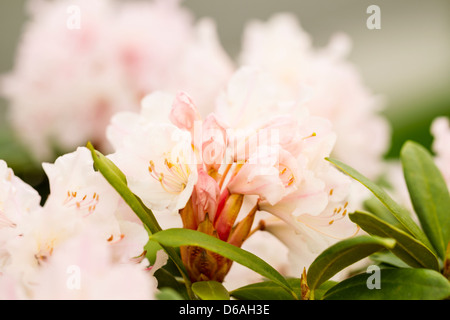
174, 176
82, 202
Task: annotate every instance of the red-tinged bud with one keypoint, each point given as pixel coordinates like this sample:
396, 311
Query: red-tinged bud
227, 216
242, 230
306, 293
188, 217
204, 265
205, 196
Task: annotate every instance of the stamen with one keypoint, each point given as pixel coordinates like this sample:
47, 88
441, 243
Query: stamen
310, 136
84, 203
175, 178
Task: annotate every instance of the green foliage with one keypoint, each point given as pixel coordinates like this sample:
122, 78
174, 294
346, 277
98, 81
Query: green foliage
429, 194
210, 290
177, 237
342, 255
415, 259
396, 284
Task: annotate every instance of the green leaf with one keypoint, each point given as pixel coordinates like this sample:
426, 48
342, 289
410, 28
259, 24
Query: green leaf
343, 254
389, 259
399, 213
168, 294
167, 279
375, 206
210, 290
118, 181
446, 267
320, 292
410, 250
267, 290
395, 284
429, 194
177, 237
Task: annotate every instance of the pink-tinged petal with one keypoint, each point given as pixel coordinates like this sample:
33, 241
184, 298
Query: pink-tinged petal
205, 196
227, 216
214, 142
270, 173
309, 196
184, 113
83, 267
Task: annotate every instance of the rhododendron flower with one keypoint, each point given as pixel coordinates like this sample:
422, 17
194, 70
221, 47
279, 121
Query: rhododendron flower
279, 160
329, 85
18, 202
304, 191
91, 259
120, 53
163, 164
80, 200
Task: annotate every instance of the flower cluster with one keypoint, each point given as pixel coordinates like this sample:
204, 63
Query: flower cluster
120, 53
83, 225
217, 174
237, 151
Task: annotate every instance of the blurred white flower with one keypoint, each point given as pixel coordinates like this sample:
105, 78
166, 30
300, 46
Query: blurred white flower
160, 166
84, 268
440, 129
80, 201
18, 202
67, 83
330, 86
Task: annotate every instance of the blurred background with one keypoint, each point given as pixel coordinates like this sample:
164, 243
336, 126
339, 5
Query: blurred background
407, 61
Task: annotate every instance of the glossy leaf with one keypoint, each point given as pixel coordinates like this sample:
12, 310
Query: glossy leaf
118, 181
168, 294
410, 250
210, 290
343, 254
389, 259
395, 284
177, 237
267, 290
429, 194
446, 268
398, 213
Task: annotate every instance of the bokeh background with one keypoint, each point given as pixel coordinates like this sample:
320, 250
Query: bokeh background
407, 61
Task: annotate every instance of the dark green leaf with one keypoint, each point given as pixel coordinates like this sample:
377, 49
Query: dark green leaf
210, 290
177, 237
388, 258
168, 294
399, 213
410, 250
429, 194
267, 290
118, 181
343, 254
395, 284
319, 293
